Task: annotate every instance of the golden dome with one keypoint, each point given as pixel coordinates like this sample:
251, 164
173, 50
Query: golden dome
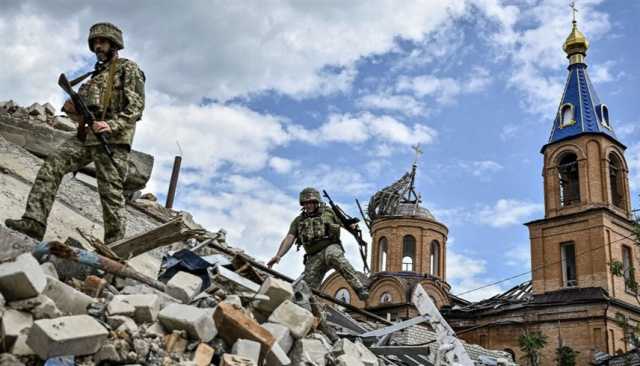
576, 42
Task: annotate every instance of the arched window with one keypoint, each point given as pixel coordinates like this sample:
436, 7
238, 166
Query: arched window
435, 258
383, 249
343, 295
569, 180
567, 115
385, 298
616, 181
408, 252
603, 114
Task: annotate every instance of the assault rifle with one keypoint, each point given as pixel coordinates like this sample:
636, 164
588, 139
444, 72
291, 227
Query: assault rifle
348, 223
88, 118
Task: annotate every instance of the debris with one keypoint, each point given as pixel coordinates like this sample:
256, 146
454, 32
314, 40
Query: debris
227, 276
14, 322
175, 342
49, 269
67, 298
247, 348
21, 279
184, 286
277, 290
203, 355
298, 320
198, 323
238, 325
282, 335
309, 351
146, 306
94, 285
235, 360
70, 335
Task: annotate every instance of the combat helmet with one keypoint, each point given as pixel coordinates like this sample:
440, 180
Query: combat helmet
310, 194
108, 31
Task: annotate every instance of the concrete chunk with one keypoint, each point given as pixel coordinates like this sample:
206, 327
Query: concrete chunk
184, 286
226, 275
282, 335
21, 279
40, 306
298, 320
277, 290
197, 322
147, 306
247, 348
309, 350
235, 360
74, 335
344, 347
118, 306
67, 298
348, 360
203, 355
14, 322
367, 357
50, 270
277, 357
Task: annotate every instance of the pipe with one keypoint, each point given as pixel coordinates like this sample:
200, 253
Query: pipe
174, 181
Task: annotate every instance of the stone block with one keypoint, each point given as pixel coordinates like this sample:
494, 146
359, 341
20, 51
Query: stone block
235, 360
197, 322
184, 286
63, 123
247, 348
74, 335
277, 357
238, 325
367, 357
348, 360
22, 278
233, 300
203, 355
164, 298
227, 275
67, 298
175, 342
40, 306
122, 323
50, 270
14, 322
282, 335
155, 330
146, 306
309, 350
277, 290
298, 320
119, 306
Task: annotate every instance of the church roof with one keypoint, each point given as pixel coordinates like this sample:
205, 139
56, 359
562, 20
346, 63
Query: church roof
580, 110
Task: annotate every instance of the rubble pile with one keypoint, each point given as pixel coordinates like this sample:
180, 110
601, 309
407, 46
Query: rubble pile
96, 319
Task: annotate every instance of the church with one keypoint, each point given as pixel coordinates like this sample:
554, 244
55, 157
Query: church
582, 293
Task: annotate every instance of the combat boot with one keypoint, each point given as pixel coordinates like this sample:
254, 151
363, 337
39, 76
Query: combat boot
363, 293
28, 227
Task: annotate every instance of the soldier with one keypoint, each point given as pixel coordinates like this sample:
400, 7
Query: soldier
115, 93
318, 230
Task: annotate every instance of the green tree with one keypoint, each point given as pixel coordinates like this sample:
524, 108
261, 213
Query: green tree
530, 345
566, 356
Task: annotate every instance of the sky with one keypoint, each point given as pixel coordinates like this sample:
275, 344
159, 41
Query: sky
264, 98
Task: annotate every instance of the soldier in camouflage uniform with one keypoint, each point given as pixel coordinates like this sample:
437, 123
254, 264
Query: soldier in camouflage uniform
317, 229
115, 93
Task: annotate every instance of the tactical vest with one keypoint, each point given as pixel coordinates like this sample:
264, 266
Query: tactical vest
318, 231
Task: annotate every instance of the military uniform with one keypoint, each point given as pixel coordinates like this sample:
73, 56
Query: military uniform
319, 234
115, 93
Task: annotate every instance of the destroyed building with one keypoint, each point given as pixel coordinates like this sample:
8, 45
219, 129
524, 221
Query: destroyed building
172, 293
574, 297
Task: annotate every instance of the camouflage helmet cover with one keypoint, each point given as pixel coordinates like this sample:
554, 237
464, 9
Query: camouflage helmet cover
310, 194
108, 31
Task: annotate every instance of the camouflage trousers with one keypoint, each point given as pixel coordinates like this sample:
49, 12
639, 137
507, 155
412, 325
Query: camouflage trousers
69, 157
318, 264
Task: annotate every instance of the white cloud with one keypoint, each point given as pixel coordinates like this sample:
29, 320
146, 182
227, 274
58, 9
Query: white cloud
219, 49
624, 129
601, 73
508, 212
445, 90
362, 127
405, 104
633, 161
332, 179
481, 168
281, 165
467, 273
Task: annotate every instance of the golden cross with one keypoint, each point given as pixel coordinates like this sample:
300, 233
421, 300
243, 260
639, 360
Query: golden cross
418, 151
574, 9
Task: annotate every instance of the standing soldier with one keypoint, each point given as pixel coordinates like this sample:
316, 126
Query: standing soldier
318, 230
115, 93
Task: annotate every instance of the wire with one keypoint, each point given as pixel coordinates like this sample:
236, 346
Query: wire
543, 265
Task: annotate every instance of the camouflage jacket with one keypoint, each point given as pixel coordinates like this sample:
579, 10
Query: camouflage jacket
316, 230
125, 105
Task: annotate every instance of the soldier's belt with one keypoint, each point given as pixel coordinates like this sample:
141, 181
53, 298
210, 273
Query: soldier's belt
317, 246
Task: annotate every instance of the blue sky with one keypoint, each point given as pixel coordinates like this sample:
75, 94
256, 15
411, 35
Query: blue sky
268, 97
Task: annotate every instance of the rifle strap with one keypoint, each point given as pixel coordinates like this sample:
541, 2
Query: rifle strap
81, 78
106, 100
